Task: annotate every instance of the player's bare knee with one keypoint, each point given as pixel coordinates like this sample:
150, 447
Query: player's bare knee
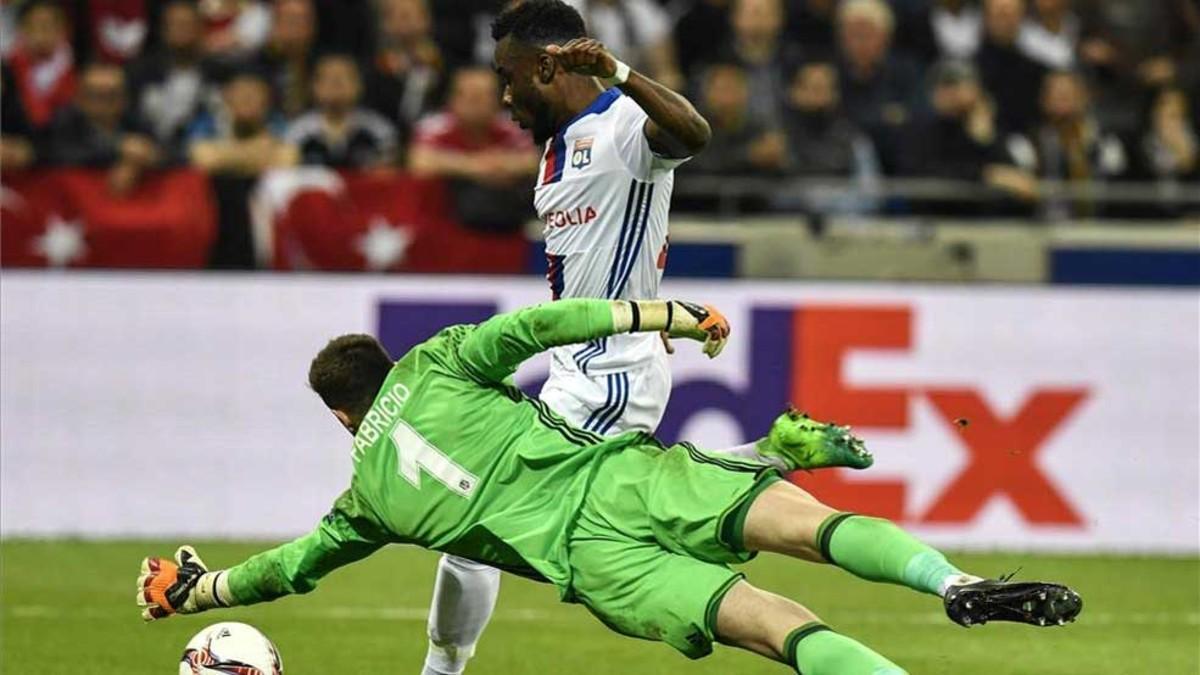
785, 519
759, 620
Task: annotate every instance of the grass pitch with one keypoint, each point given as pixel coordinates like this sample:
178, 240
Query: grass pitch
68, 607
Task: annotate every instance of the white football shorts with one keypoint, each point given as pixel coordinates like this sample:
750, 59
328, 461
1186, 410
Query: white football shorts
610, 403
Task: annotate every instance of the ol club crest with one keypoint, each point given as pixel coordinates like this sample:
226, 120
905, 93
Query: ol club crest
581, 153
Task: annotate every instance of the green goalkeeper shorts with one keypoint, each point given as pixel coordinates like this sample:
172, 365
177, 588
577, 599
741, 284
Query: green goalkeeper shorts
651, 548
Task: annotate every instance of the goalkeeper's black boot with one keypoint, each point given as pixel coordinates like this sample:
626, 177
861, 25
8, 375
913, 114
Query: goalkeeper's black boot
1034, 603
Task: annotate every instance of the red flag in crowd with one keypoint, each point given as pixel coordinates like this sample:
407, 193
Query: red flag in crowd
68, 217
118, 28
315, 218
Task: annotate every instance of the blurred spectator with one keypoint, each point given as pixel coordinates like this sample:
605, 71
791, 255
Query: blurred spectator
42, 64
111, 30
234, 29
100, 131
409, 68
822, 141
1169, 147
1071, 144
878, 85
235, 141
1134, 47
1013, 79
288, 54
741, 142
810, 22
8, 27
638, 32
16, 138
766, 57
487, 160
244, 137
944, 29
1051, 34
169, 85
701, 29
960, 140
340, 133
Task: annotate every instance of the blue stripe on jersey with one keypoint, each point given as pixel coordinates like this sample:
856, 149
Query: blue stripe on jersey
619, 409
633, 207
559, 148
612, 271
644, 225
555, 275
604, 409
559, 144
598, 105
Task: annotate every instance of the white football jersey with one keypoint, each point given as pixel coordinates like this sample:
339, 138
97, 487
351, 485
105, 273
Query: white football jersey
603, 196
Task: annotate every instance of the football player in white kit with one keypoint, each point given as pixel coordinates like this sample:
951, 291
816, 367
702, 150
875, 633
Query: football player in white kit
613, 138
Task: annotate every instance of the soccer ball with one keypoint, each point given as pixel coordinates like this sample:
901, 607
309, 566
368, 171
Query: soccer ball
230, 648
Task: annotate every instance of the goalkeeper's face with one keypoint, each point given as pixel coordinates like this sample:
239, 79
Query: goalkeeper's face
528, 86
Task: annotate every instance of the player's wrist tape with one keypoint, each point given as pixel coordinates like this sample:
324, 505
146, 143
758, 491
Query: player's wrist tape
639, 316
211, 592
620, 76
677, 317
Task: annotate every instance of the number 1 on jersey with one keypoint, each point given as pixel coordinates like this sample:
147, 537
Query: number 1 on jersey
414, 453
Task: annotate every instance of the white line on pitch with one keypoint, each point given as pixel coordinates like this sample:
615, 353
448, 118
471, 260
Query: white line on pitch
363, 613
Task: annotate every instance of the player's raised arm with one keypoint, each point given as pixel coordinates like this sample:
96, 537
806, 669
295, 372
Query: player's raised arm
674, 128
495, 349
186, 586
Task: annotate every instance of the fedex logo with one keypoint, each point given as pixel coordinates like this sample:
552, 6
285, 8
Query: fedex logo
798, 355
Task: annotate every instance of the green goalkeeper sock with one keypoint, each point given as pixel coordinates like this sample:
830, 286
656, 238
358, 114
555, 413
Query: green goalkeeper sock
877, 550
814, 649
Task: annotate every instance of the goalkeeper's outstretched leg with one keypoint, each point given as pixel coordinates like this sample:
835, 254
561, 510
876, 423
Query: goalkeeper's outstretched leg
785, 519
785, 631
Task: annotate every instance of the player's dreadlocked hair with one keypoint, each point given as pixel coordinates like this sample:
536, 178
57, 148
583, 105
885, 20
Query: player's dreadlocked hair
539, 22
348, 373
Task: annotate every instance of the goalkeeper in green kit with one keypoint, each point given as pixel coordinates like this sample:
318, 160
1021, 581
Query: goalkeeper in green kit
449, 455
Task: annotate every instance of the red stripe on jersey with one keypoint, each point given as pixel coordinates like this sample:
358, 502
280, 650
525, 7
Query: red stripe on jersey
548, 161
662, 255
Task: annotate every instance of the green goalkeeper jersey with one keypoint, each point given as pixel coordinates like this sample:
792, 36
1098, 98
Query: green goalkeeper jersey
453, 457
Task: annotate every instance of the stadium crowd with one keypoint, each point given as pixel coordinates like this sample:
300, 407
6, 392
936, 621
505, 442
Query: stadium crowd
999, 92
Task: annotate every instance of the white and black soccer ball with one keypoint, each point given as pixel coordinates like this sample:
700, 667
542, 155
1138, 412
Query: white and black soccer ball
230, 648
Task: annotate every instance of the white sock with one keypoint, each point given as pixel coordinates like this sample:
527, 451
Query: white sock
464, 597
750, 451
956, 580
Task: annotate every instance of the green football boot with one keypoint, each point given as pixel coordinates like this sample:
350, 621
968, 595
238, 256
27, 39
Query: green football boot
800, 442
